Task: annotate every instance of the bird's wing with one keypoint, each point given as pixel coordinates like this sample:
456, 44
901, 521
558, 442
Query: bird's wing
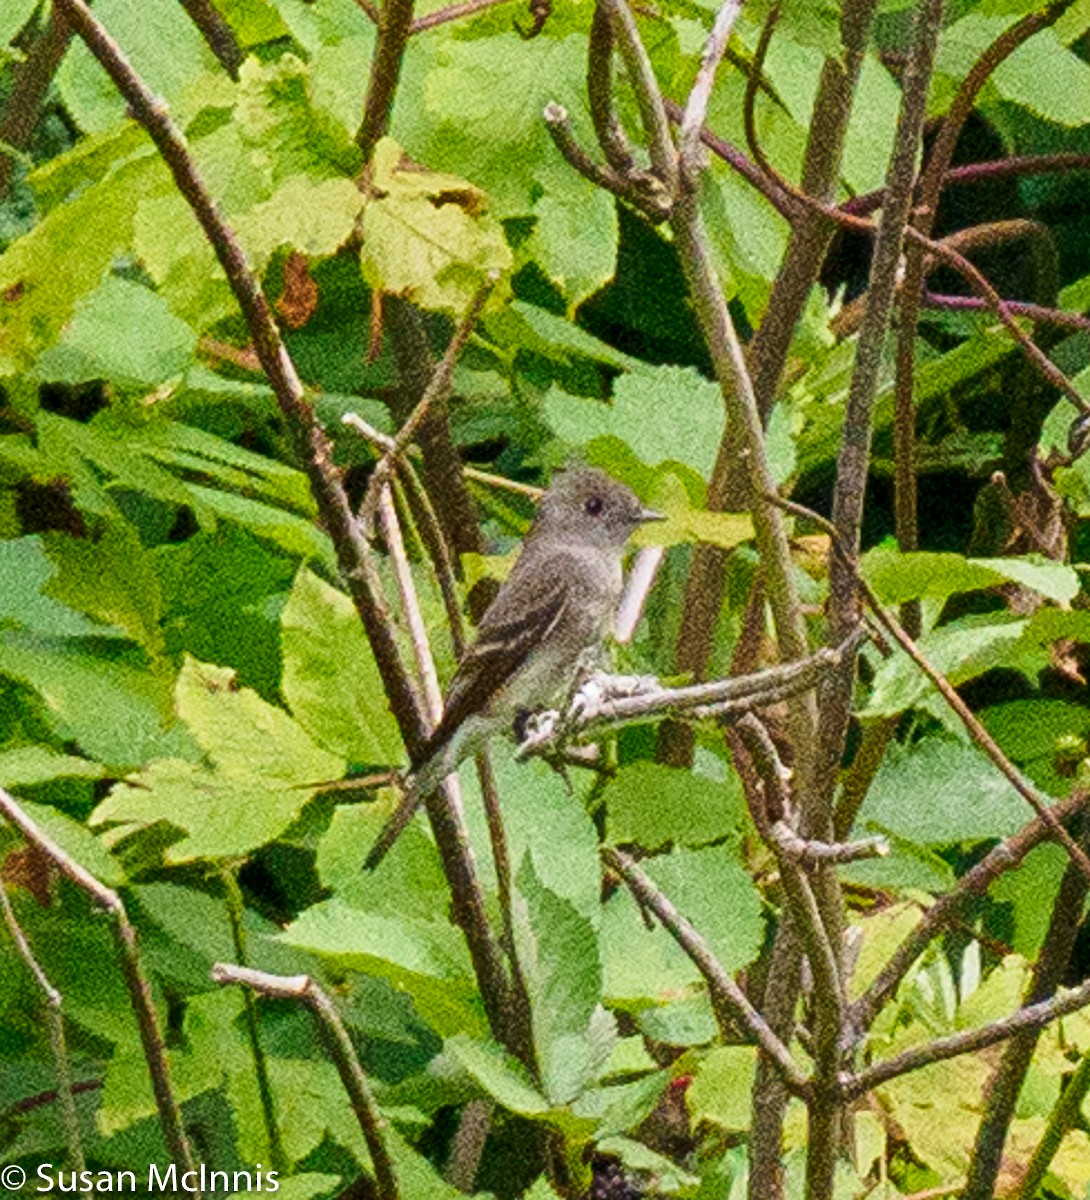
524, 614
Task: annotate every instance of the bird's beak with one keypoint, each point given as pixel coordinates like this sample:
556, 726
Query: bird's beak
649, 514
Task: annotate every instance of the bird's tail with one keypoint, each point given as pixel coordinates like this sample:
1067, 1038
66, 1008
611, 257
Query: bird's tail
437, 763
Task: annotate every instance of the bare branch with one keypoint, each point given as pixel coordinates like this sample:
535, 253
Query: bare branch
453, 12
303, 989
808, 852
394, 26
696, 107
641, 579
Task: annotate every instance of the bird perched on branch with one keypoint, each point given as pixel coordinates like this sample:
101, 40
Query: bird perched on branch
555, 609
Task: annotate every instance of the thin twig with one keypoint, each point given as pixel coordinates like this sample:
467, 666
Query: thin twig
147, 1020
1033, 1016
1019, 308
57, 1044
728, 999
369, 11
236, 916
437, 391
453, 12
696, 107
607, 125
394, 26
656, 126
303, 989
641, 578
838, 852
217, 33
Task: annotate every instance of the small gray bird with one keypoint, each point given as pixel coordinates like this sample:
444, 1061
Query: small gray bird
555, 607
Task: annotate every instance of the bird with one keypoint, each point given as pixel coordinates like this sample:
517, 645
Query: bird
553, 612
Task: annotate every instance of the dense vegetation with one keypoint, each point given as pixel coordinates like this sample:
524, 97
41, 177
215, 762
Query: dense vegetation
813, 279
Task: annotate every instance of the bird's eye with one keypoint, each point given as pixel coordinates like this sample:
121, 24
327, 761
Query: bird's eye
593, 507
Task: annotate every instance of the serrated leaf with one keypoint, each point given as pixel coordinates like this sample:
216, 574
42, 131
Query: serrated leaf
559, 961
428, 236
503, 1077
312, 215
331, 681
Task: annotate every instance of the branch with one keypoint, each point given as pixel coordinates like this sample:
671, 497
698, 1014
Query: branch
728, 999
394, 26
303, 989
610, 702
607, 125
1033, 1016
811, 852
696, 107
1039, 313
57, 1043
437, 391
641, 578
151, 1039
454, 12
217, 33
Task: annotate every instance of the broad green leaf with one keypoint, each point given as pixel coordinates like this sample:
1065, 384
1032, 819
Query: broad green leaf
428, 236
425, 959
940, 791
222, 816
29, 765
159, 40
1067, 98
14, 16
898, 577
25, 571
650, 805
869, 138
312, 215
1031, 732
105, 700
664, 414
713, 892
525, 326
113, 580
501, 1075
245, 737
326, 24
576, 243
722, 1087
84, 233
621, 1107
283, 529
122, 332
331, 681
1030, 891
960, 650
254, 21
559, 961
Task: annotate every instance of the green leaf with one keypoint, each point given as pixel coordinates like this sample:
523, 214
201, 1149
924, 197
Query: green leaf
940, 791
425, 959
722, 1087
122, 332
428, 236
331, 681
711, 890
503, 1077
14, 16
1067, 98
113, 580
898, 577
576, 243
160, 41
313, 216
29, 765
535, 329
650, 805
25, 571
558, 958
106, 701
666, 414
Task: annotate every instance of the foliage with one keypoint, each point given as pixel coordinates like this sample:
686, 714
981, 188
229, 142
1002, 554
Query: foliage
183, 670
